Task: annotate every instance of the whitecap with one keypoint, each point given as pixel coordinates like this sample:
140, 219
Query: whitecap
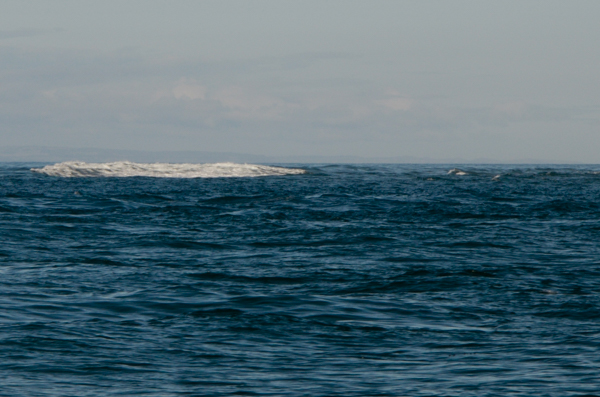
456, 171
163, 170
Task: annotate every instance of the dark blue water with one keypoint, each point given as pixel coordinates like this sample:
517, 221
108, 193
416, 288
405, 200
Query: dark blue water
349, 280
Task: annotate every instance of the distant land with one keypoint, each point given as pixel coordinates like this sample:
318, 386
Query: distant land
45, 154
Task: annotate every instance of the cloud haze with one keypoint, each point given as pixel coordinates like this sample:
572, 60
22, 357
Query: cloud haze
465, 79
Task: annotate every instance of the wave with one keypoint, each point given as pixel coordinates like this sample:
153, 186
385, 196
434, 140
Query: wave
162, 170
456, 171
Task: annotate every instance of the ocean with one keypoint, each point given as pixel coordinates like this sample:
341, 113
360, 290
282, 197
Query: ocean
125, 279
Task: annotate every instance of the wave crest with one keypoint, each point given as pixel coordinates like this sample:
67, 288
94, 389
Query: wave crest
163, 170
456, 171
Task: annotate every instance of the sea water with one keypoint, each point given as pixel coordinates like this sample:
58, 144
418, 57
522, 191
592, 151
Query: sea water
307, 280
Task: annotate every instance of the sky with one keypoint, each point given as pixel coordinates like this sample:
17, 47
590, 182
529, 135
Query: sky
503, 81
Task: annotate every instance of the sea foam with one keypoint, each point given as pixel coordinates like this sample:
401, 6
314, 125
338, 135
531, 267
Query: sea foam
163, 170
456, 171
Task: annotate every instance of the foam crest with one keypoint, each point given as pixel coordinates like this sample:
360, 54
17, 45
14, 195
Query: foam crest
163, 170
456, 171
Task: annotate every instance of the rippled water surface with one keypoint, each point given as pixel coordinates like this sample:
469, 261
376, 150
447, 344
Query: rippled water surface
347, 280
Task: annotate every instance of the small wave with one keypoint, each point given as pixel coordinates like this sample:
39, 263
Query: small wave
163, 170
456, 171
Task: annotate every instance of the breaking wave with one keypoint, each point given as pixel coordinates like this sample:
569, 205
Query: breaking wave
163, 170
456, 171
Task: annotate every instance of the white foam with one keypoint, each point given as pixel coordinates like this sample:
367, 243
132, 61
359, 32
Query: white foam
163, 170
456, 171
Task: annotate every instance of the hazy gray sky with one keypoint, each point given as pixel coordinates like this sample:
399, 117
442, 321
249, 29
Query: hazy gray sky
506, 80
